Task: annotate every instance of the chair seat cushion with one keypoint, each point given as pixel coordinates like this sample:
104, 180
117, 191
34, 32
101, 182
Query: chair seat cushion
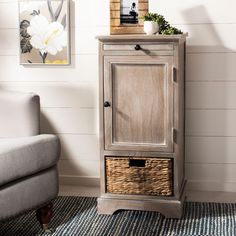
27, 194
20, 157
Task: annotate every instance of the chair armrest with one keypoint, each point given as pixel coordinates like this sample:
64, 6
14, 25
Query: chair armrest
20, 114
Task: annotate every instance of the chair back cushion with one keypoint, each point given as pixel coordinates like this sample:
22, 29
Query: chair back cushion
19, 114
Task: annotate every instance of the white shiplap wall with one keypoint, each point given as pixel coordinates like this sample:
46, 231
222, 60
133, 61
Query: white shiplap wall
210, 89
69, 95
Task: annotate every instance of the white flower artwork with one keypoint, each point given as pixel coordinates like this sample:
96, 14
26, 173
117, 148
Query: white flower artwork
44, 32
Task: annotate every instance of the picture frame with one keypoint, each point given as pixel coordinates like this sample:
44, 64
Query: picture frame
44, 32
126, 16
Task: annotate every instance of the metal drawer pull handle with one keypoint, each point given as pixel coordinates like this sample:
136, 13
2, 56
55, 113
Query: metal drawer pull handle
137, 47
137, 163
107, 104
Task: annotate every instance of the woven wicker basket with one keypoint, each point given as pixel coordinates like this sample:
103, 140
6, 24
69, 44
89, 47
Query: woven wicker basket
143, 176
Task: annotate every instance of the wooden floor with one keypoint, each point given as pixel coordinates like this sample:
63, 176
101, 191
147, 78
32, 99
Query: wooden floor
193, 196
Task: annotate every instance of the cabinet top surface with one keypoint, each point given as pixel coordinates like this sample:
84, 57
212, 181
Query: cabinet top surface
143, 37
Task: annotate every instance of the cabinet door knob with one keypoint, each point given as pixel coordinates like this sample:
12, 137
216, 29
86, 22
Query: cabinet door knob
137, 47
107, 104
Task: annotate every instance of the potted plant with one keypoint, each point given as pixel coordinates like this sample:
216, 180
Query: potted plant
151, 24
155, 23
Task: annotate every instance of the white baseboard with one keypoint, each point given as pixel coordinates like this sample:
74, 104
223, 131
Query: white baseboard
79, 180
94, 181
211, 186
211, 196
197, 191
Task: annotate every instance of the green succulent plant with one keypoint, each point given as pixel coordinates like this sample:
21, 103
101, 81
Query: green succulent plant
164, 26
171, 30
151, 17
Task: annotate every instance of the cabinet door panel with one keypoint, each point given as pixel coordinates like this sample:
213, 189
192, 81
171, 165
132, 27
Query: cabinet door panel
140, 92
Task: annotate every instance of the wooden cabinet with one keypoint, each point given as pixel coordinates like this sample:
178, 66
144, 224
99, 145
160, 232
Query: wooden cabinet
142, 123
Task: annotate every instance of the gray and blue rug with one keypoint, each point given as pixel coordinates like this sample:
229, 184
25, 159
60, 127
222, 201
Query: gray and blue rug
77, 216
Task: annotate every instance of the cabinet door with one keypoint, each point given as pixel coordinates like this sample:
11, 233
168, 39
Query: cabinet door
138, 103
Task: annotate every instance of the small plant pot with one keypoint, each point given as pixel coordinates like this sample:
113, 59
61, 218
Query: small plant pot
151, 27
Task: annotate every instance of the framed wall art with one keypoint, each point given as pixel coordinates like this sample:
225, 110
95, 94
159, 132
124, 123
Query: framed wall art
44, 32
126, 16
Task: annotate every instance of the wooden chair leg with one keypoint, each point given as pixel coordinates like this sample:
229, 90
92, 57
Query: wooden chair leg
44, 215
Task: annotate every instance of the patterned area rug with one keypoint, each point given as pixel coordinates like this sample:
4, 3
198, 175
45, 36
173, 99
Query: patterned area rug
78, 216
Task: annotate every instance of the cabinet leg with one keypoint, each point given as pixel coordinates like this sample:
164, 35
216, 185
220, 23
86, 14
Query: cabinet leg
168, 208
106, 207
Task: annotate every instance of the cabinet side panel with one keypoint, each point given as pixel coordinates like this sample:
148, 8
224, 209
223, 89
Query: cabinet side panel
179, 115
101, 118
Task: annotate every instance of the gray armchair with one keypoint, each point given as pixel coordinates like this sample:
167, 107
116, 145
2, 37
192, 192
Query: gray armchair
28, 160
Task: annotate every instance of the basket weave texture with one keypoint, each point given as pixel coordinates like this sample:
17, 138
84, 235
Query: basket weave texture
154, 178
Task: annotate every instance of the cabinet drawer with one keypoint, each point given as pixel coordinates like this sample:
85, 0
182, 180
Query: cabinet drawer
139, 175
138, 47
